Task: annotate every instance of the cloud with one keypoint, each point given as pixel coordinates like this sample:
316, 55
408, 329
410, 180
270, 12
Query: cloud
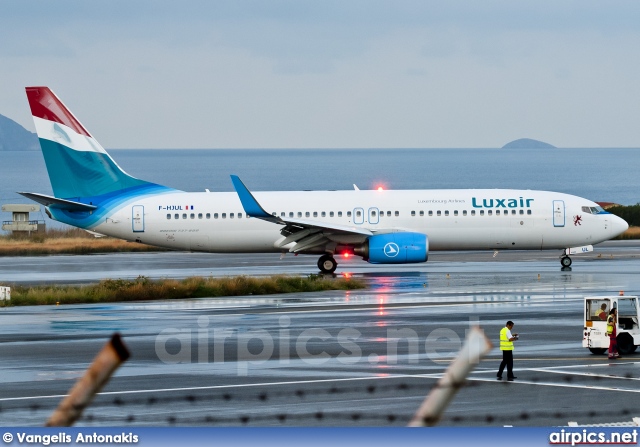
330, 74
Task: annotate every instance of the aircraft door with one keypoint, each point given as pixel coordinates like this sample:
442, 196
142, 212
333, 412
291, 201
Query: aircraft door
374, 215
358, 216
138, 218
558, 213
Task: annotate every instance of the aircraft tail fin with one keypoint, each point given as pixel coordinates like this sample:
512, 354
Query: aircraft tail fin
77, 164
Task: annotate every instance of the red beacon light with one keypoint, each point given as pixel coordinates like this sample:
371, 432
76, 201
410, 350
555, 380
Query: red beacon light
380, 188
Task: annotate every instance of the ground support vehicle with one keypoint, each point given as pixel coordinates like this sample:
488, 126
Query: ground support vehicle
596, 310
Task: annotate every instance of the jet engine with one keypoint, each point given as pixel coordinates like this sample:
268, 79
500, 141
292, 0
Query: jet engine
394, 248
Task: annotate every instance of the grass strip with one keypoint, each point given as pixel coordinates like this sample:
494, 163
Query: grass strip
631, 234
145, 289
72, 241
72, 246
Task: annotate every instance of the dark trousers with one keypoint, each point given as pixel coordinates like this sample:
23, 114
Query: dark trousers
507, 360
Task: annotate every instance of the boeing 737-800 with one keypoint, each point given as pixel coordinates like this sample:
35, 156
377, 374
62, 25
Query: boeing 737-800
382, 226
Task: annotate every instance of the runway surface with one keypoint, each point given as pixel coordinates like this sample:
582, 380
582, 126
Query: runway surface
358, 358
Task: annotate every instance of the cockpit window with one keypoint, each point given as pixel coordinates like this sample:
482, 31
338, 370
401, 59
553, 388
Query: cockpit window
593, 210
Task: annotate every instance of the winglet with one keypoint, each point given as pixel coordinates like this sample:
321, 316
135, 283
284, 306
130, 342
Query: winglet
249, 203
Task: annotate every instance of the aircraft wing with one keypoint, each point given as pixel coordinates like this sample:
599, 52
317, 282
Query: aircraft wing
306, 234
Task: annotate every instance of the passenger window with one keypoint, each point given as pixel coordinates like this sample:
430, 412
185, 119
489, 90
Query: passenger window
193, 216
455, 212
388, 213
208, 215
473, 212
240, 215
430, 213
306, 214
482, 212
513, 211
290, 213
397, 213
168, 216
184, 216
464, 212
413, 214
358, 213
446, 212
521, 212
489, 212
215, 215
299, 213
315, 214
231, 216
439, 213
224, 215
330, 213
339, 213
497, 212
421, 213
177, 216
373, 214
528, 211
282, 214
324, 214
199, 215
348, 213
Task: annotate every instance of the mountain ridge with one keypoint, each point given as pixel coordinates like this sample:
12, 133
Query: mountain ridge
528, 143
14, 137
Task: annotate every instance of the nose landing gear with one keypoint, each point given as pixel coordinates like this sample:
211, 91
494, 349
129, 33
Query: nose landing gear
327, 264
565, 261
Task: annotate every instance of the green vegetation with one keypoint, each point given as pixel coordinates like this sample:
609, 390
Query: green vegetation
631, 214
144, 289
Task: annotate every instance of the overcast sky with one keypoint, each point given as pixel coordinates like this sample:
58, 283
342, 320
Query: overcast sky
330, 74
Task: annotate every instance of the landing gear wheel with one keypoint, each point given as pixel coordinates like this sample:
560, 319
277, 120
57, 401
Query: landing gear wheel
565, 261
327, 264
598, 351
625, 343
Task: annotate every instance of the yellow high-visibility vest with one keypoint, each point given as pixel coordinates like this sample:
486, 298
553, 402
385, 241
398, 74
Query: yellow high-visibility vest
505, 344
610, 325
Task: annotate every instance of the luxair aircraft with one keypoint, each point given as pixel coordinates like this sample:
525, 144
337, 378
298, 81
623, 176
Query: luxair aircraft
382, 226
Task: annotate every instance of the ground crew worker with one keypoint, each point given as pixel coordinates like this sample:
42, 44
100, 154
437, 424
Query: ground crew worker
612, 323
506, 346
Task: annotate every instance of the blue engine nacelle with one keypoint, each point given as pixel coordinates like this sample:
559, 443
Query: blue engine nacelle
396, 248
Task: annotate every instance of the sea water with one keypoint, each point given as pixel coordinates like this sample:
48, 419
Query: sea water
602, 175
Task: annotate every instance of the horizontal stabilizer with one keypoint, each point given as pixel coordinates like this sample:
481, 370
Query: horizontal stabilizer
46, 200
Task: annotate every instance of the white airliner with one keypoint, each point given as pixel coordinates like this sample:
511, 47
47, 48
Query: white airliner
382, 226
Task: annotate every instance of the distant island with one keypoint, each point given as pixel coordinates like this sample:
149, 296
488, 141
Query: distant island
528, 143
14, 137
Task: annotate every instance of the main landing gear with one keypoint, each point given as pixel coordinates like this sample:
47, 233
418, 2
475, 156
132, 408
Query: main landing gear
327, 264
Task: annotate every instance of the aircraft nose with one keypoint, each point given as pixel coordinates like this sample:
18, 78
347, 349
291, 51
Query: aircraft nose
618, 226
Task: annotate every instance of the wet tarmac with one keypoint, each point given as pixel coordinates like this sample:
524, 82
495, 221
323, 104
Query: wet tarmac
358, 358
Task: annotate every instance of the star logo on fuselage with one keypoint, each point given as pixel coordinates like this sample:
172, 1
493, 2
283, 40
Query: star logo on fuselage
391, 250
